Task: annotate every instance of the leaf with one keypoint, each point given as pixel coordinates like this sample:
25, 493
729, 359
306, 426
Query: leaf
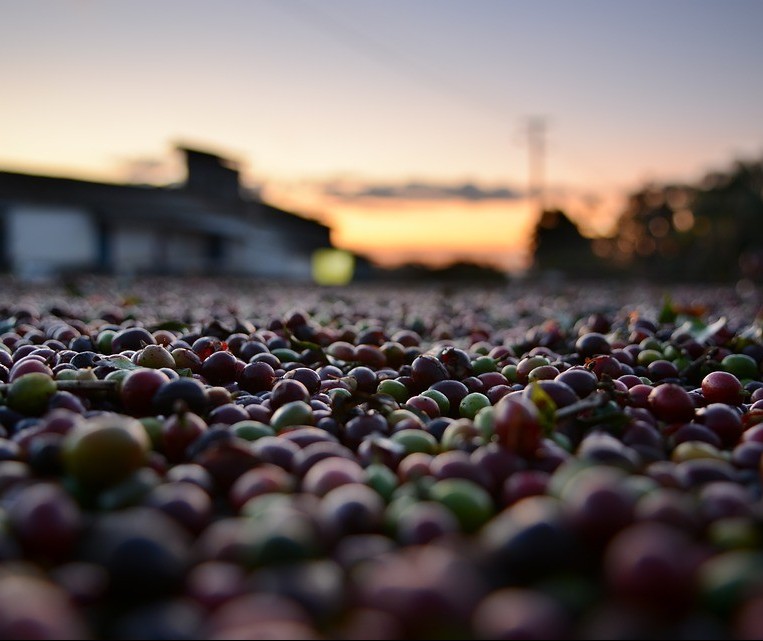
7, 325
691, 326
668, 313
298, 345
699, 330
547, 408
119, 363
711, 330
750, 335
170, 325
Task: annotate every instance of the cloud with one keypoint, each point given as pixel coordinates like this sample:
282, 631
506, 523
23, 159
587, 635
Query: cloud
422, 191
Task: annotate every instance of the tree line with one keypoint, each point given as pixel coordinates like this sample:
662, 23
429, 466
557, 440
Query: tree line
711, 231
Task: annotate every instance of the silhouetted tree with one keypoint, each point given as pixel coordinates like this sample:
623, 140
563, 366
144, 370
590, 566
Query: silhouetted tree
706, 232
559, 248
459, 272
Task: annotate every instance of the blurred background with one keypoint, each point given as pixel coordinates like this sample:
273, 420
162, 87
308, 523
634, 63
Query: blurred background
327, 139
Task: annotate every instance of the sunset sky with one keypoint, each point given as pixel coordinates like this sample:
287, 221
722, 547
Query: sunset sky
374, 115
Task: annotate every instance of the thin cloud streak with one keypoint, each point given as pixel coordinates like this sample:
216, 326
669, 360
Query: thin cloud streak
422, 191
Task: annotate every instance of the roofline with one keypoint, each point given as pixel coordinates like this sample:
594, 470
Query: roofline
82, 181
225, 158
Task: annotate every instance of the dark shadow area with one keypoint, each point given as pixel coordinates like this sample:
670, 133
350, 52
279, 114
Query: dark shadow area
459, 272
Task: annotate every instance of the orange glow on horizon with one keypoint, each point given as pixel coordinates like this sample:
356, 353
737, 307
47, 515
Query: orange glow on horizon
394, 231
496, 257
388, 231
433, 232
492, 232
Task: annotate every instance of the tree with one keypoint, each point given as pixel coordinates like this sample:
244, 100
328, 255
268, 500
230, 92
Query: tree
559, 248
709, 232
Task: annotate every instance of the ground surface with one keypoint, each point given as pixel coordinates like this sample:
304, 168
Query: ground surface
238, 459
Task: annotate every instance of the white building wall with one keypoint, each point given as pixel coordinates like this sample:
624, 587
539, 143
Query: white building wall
186, 254
135, 250
265, 252
43, 239
234, 258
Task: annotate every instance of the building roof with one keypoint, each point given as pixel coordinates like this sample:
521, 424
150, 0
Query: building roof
156, 206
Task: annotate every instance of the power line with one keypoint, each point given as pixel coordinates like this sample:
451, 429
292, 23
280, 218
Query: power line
397, 60
391, 57
536, 144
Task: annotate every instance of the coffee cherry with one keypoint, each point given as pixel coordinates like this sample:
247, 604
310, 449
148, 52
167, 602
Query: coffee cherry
671, 403
722, 387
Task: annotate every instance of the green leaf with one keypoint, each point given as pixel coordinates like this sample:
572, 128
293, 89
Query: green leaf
750, 335
119, 363
547, 408
691, 326
298, 345
668, 312
170, 325
710, 330
7, 325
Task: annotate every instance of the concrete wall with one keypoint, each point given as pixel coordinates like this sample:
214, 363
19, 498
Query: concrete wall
43, 240
186, 254
265, 252
144, 249
134, 250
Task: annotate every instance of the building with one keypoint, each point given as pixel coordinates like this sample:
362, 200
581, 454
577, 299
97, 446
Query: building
208, 226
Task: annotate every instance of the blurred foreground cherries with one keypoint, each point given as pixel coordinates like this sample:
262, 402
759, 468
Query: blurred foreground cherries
207, 459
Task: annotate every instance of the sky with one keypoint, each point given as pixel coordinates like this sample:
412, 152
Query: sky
406, 125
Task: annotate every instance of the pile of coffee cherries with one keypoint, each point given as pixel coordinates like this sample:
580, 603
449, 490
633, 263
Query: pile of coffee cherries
217, 460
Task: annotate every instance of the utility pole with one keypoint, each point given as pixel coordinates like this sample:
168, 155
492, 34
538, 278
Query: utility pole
536, 143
